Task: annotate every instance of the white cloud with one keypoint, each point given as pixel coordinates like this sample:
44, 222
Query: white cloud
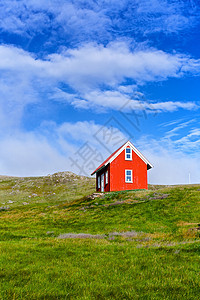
171, 164
184, 137
172, 106
189, 142
25, 79
96, 135
96, 20
176, 154
124, 102
175, 131
173, 167
87, 68
53, 148
29, 154
167, 16
17, 60
94, 64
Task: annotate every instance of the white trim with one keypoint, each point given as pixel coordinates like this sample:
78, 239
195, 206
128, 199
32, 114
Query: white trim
120, 151
106, 175
134, 149
126, 158
99, 182
102, 182
127, 181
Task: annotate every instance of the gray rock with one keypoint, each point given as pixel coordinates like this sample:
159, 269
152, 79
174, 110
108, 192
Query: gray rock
159, 196
81, 236
2, 208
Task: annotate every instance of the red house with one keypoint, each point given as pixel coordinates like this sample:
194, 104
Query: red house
125, 169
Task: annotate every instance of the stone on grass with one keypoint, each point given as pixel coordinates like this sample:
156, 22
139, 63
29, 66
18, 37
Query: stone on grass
81, 236
2, 208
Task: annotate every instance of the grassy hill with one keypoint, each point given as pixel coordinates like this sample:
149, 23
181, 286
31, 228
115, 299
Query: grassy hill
56, 242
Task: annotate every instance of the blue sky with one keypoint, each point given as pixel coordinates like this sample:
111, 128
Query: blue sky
79, 78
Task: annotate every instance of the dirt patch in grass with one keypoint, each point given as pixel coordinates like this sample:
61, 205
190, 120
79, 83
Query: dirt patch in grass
182, 223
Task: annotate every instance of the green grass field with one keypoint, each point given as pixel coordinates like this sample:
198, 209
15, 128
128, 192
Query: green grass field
57, 243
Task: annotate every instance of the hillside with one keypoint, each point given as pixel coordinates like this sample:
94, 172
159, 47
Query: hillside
58, 240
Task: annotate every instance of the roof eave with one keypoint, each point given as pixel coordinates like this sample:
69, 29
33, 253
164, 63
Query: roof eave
98, 169
149, 166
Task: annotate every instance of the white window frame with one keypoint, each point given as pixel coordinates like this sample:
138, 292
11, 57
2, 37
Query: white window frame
127, 181
106, 175
126, 158
99, 182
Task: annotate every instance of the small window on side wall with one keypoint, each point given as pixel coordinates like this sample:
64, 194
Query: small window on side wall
128, 176
106, 177
128, 154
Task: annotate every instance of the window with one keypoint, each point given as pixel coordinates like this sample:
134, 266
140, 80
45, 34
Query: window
128, 154
106, 177
128, 176
99, 182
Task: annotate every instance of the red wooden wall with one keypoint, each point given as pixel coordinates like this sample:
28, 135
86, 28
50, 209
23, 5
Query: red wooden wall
117, 173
